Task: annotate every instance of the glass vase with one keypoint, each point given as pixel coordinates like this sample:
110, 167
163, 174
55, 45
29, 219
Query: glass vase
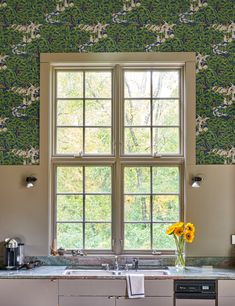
180, 260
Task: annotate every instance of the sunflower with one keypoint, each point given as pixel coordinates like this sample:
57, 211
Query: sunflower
189, 236
190, 227
179, 231
170, 229
179, 224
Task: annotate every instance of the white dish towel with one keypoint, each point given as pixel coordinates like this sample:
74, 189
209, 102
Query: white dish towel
135, 286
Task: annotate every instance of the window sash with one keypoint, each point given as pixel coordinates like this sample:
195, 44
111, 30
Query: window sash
83, 98
151, 194
84, 195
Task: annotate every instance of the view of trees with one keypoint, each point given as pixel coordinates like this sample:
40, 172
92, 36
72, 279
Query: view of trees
84, 112
151, 195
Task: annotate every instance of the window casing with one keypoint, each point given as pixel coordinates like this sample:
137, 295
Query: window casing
117, 159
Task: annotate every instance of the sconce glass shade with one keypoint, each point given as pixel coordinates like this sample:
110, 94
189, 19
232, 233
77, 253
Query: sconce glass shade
196, 181
30, 181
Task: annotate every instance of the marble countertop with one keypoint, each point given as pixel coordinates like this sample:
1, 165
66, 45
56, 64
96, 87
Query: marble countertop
58, 272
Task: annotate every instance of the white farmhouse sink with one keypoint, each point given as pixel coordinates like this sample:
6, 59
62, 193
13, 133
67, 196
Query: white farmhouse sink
81, 272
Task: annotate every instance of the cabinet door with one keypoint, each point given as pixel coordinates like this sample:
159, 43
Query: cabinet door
148, 301
226, 301
86, 301
26, 292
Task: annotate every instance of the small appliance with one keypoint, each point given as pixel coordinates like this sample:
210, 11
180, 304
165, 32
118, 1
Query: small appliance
14, 253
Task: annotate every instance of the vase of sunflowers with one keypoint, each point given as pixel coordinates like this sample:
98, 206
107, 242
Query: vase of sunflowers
182, 233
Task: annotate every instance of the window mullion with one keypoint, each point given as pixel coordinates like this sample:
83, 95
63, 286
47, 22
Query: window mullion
151, 111
117, 197
151, 206
84, 207
84, 115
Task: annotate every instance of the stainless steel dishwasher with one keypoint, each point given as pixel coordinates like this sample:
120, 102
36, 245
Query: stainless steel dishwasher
195, 293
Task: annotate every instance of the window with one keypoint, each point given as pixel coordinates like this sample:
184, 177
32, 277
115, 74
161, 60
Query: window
117, 151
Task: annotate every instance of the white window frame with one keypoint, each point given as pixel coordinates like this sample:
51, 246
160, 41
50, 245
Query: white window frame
185, 60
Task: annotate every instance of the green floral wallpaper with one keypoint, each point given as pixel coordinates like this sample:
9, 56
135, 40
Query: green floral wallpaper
29, 27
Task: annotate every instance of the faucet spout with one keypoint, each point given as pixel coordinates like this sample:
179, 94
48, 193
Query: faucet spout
116, 264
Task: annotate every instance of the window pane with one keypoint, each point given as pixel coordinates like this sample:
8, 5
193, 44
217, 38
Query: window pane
137, 84
69, 236
137, 180
69, 112
137, 112
165, 179
166, 112
69, 207
69, 84
166, 208
98, 236
98, 179
165, 84
166, 140
98, 141
161, 241
137, 208
98, 113
69, 140
98, 84
98, 208
137, 141
137, 236
69, 179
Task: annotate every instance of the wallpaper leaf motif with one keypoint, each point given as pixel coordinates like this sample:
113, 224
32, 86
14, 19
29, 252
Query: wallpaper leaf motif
228, 31
28, 28
164, 32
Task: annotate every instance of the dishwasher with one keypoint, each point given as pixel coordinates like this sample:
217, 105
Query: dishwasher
195, 293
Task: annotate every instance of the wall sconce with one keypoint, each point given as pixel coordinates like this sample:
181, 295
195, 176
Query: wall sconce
196, 181
30, 181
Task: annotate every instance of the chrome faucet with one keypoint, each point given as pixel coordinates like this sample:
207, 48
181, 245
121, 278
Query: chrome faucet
136, 264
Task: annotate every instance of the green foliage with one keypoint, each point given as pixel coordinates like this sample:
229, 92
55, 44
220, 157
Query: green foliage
84, 198
155, 204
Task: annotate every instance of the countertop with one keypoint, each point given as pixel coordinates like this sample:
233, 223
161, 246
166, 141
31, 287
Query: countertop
57, 272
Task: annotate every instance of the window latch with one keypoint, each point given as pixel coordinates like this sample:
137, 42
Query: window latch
157, 155
79, 155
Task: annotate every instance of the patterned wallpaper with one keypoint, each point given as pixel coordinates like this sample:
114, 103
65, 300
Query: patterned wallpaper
28, 27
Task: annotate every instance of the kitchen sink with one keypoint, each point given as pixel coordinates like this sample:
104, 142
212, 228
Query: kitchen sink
83, 272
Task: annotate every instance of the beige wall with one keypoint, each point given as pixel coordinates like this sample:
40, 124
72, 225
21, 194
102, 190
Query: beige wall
24, 213
212, 209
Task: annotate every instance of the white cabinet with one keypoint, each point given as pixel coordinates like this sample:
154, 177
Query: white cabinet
226, 292
148, 301
28, 292
113, 301
91, 287
113, 293
86, 301
226, 301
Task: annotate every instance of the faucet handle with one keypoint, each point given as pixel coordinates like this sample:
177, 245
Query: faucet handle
105, 266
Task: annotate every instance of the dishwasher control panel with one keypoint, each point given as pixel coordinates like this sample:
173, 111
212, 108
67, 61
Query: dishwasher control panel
195, 289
